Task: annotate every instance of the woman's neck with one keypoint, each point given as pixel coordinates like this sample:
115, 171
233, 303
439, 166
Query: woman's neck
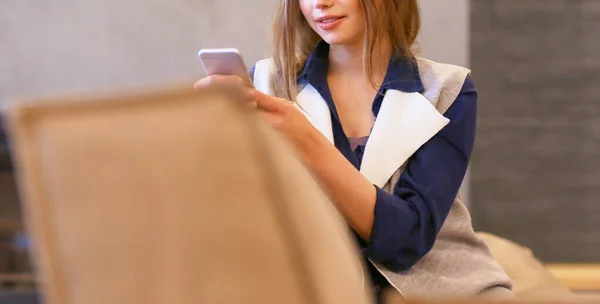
349, 60
346, 59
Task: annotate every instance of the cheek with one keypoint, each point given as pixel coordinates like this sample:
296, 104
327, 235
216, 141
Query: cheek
353, 7
360, 24
355, 10
306, 9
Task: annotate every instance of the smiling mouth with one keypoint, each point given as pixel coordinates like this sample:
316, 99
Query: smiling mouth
330, 20
329, 23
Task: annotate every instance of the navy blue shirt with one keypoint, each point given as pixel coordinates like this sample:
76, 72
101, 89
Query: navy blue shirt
407, 221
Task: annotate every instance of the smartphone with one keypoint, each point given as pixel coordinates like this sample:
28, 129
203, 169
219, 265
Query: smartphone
224, 62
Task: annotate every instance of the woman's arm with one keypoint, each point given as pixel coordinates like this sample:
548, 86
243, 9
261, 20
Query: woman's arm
354, 195
401, 228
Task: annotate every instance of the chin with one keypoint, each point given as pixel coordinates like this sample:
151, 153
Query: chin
333, 39
341, 38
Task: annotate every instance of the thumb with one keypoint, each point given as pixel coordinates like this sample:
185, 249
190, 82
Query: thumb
268, 102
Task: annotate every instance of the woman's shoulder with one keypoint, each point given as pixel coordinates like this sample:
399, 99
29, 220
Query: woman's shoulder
443, 82
435, 73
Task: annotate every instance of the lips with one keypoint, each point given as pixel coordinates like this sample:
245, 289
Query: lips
329, 22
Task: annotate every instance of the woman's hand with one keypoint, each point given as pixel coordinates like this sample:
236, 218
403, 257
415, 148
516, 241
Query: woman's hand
220, 80
279, 112
224, 80
286, 118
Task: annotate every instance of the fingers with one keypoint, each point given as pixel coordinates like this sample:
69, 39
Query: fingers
252, 105
273, 119
219, 80
257, 99
268, 102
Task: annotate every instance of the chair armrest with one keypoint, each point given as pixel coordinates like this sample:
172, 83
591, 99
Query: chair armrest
577, 277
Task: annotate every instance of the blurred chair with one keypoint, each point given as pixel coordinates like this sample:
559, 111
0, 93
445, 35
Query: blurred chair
175, 196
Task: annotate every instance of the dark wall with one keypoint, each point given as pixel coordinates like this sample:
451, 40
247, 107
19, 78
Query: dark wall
536, 167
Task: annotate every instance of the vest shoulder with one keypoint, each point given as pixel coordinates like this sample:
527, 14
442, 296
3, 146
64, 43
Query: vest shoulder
442, 82
435, 73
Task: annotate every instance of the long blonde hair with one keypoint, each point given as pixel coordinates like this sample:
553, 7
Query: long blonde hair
293, 40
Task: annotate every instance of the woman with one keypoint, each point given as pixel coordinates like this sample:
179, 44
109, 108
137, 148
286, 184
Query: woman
387, 134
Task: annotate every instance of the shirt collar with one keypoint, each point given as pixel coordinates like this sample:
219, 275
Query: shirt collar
402, 73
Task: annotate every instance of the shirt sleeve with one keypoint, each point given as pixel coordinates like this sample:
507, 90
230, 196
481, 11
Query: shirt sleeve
407, 222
